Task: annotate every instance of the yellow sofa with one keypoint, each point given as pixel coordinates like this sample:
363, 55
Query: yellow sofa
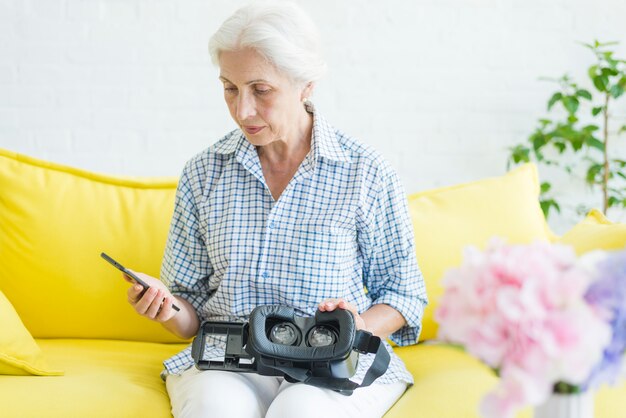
70, 346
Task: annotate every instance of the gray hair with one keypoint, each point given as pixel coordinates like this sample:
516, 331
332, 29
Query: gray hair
281, 32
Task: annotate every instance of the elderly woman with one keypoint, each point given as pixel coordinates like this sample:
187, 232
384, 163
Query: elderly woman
284, 210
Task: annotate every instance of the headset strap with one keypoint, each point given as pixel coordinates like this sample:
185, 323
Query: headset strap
364, 343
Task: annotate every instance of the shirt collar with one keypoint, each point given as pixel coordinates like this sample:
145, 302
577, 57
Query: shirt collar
229, 144
324, 141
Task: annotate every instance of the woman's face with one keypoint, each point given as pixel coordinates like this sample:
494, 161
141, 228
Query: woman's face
264, 103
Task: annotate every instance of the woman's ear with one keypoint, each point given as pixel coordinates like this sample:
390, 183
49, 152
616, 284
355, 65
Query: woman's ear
307, 91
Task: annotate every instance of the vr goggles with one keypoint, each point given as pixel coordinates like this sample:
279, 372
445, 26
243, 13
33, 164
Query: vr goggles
321, 351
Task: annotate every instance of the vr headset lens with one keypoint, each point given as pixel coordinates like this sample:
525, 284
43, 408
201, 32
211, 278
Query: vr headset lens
321, 336
284, 333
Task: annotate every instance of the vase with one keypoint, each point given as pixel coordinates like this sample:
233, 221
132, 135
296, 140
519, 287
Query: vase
558, 405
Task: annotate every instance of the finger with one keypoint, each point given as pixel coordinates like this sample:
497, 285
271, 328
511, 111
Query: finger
325, 305
342, 304
134, 293
143, 304
329, 305
166, 311
155, 306
128, 278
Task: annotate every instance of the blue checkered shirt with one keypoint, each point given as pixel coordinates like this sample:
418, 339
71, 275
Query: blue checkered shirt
341, 226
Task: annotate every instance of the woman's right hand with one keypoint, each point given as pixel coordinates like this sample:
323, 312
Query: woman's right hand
156, 303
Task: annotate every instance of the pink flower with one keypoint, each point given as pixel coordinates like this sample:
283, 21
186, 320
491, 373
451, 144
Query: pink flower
521, 310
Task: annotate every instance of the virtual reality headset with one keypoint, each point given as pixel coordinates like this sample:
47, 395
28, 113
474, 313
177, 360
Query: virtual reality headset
322, 350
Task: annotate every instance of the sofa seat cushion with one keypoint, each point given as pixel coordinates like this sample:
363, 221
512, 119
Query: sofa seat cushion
103, 378
449, 383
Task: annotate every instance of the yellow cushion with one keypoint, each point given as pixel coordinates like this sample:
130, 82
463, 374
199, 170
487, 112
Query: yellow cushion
55, 221
19, 353
595, 232
450, 383
103, 378
448, 219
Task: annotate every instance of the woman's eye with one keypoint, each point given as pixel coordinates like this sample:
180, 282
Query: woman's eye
262, 91
230, 89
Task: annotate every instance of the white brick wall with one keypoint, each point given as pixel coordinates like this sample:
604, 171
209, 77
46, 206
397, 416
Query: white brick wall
440, 87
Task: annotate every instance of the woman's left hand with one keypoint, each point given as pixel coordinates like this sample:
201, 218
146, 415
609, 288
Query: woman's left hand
332, 304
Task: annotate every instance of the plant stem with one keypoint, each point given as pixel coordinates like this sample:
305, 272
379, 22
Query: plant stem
605, 177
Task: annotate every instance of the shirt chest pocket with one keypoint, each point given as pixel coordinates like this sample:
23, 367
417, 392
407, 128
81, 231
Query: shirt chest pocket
322, 246
315, 261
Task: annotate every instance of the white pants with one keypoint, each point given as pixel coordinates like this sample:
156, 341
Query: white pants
218, 394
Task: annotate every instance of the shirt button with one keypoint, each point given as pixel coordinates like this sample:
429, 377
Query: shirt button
272, 224
265, 275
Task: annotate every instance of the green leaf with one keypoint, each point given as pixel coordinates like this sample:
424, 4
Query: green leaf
592, 172
571, 104
597, 110
616, 91
619, 162
584, 94
622, 129
593, 72
612, 62
610, 43
607, 54
545, 187
555, 98
560, 146
539, 140
520, 154
576, 139
595, 143
609, 72
547, 204
600, 82
590, 128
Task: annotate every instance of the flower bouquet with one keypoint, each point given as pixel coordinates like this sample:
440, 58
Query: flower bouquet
544, 319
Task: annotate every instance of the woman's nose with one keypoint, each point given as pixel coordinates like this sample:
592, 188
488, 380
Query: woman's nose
246, 107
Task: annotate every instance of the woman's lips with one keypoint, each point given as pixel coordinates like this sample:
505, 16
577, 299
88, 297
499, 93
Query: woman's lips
253, 129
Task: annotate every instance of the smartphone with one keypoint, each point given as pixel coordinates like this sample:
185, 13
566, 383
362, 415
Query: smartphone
132, 276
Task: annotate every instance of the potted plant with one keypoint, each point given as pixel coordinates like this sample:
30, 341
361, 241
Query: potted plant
583, 131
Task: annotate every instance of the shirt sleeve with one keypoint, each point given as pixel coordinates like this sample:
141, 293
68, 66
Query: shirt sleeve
390, 270
186, 266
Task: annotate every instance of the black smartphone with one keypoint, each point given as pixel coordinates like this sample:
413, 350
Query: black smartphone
131, 275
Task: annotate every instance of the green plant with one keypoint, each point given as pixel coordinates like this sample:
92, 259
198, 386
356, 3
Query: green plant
572, 133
